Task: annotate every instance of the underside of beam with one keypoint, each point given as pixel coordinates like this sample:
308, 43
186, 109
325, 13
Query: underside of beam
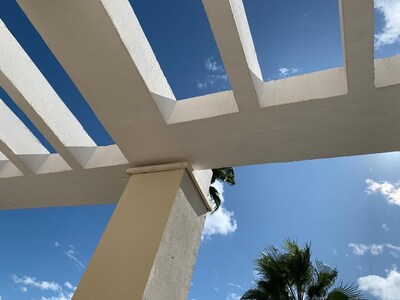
357, 24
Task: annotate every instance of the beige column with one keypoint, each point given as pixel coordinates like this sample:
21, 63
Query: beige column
150, 245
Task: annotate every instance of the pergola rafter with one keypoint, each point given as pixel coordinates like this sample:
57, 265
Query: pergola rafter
150, 245
118, 74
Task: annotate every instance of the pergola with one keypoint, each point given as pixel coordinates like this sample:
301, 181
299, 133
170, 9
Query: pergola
158, 169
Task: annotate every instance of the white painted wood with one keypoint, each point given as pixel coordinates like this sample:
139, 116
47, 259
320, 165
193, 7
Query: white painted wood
84, 187
30, 90
8, 170
357, 25
317, 85
16, 135
23, 149
387, 71
232, 33
296, 123
16, 65
2, 157
330, 113
13, 158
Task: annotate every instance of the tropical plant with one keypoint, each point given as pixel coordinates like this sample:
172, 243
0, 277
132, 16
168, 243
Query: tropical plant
225, 175
291, 275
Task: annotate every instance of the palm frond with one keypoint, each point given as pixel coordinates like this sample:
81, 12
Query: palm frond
215, 197
345, 292
225, 175
255, 294
323, 279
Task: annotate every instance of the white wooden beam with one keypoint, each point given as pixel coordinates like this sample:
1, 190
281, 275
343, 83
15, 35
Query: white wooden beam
8, 170
113, 67
297, 123
84, 187
23, 149
16, 161
232, 33
316, 85
30, 90
357, 25
387, 71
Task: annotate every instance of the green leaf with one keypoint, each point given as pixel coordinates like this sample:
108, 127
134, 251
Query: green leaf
345, 292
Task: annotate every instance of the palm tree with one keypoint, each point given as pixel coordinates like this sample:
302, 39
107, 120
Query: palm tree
291, 275
223, 174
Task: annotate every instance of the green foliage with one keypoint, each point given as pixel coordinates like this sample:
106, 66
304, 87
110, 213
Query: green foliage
291, 275
225, 175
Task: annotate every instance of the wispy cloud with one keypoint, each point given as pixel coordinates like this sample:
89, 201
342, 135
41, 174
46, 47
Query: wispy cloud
222, 221
69, 286
361, 249
60, 296
72, 254
385, 288
212, 65
233, 296
390, 33
287, 71
31, 282
390, 191
374, 249
385, 227
236, 286
47, 286
217, 76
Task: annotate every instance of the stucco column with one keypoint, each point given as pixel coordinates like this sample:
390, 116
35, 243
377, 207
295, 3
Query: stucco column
150, 245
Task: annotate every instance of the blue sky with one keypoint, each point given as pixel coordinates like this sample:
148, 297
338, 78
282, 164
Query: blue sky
349, 208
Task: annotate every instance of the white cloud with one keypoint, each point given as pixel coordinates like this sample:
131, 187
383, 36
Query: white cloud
390, 191
236, 286
217, 77
201, 85
72, 254
385, 227
57, 244
70, 286
60, 296
361, 249
385, 288
390, 34
374, 249
212, 65
41, 285
220, 222
284, 72
47, 286
233, 296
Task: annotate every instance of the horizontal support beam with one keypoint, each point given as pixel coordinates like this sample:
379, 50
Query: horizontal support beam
86, 187
316, 85
387, 71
